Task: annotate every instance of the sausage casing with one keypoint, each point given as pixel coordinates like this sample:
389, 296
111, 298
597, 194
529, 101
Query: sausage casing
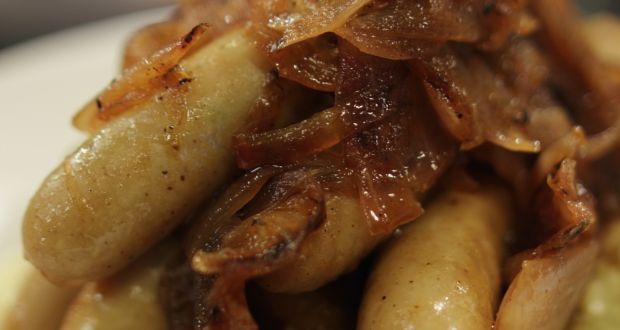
443, 272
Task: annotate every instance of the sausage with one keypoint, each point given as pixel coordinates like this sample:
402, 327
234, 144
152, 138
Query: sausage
336, 247
127, 186
443, 272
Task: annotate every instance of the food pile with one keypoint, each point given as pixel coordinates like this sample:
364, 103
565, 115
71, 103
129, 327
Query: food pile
331, 164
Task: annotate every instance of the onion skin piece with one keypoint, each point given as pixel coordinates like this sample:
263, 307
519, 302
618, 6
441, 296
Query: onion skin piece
218, 218
238, 242
549, 281
440, 21
545, 292
336, 247
292, 143
219, 15
302, 20
138, 83
258, 245
129, 185
399, 159
568, 146
458, 84
363, 97
148, 40
443, 271
312, 63
128, 300
566, 209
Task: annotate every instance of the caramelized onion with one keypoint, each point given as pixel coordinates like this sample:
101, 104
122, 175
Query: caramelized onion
313, 63
567, 209
139, 82
262, 236
398, 159
362, 98
473, 103
547, 289
569, 146
258, 245
549, 279
304, 19
148, 40
219, 15
439, 21
400, 30
205, 289
386, 198
292, 143
393, 48
526, 72
216, 219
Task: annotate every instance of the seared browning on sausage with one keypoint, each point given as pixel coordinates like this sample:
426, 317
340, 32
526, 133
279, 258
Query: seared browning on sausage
127, 186
333, 249
444, 271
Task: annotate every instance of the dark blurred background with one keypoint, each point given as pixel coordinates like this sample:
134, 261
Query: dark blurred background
597, 5
24, 19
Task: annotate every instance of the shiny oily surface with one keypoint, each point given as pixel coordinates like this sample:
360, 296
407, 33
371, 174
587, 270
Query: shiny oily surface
127, 186
443, 272
545, 292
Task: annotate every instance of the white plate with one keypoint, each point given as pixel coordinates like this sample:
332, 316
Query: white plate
42, 84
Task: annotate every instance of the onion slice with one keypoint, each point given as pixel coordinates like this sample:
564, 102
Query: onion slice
304, 19
545, 292
139, 82
313, 63
566, 209
398, 159
216, 219
550, 278
259, 245
363, 97
473, 102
